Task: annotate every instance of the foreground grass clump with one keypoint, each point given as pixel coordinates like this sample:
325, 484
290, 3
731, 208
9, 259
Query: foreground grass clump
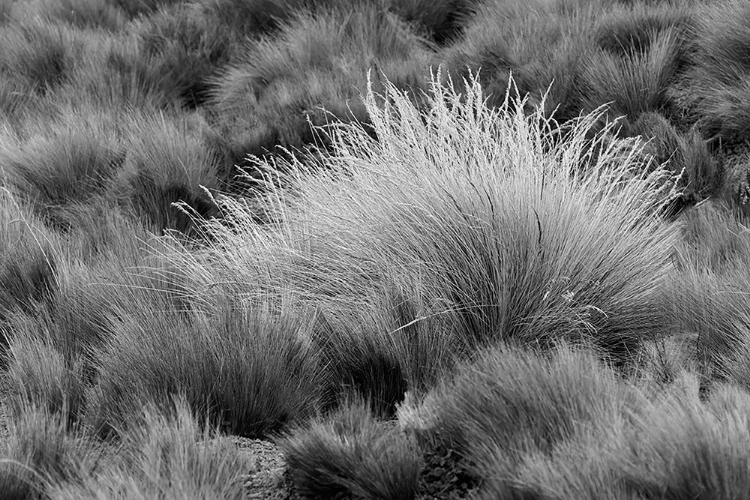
561, 425
40, 450
510, 410
351, 453
169, 455
250, 371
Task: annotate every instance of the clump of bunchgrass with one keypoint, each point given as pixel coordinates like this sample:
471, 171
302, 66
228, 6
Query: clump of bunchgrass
458, 226
350, 452
168, 453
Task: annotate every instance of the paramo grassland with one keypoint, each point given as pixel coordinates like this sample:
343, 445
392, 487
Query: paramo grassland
486, 249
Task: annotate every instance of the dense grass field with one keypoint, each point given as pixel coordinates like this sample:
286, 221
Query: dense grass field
407, 249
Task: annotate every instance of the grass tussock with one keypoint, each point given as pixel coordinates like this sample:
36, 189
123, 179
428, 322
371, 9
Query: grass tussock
509, 403
38, 53
187, 48
686, 154
62, 163
168, 161
39, 375
251, 371
460, 226
351, 453
38, 452
687, 449
633, 82
708, 298
715, 87
169, 455
281, 84
560, 425
543, 44
627, 29
27, 266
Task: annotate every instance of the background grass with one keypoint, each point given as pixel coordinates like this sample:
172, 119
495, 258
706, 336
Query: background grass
280, 219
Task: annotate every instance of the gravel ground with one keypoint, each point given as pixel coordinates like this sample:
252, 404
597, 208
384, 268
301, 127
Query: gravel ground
266, 479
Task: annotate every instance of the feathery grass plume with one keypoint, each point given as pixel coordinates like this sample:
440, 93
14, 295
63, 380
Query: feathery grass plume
543, 43
276, 90
167, 161
492, 215
168, 455
251, 370
351, 453
633, 82
40, 452
715, 90
183, 43
683, 448
509, 406
27, 265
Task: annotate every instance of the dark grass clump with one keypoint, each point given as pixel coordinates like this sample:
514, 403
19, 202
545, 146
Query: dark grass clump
167, 162
351, 453
398, 346
510, 410
708, 295
61, 163
27, 264
629, 29
38, 52
251, 371
440, 21
686, 154
40, 451
135, 8
187, 47
635, 82
168, 453
715, 91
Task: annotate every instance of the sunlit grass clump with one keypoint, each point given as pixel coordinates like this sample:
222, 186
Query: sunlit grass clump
457, 226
